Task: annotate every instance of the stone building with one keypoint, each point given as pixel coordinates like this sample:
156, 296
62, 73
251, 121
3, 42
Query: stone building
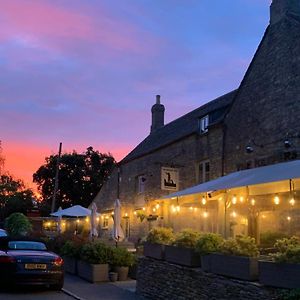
255, 125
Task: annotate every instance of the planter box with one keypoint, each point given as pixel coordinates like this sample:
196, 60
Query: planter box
92, 273
122, 273
154, 250
182, 256
206, 262
70, 265
245, 268
281, 275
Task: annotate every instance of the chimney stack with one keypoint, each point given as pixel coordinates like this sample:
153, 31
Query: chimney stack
280, 8
158, 115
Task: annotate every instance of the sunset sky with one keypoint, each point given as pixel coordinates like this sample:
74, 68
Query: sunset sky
86, 72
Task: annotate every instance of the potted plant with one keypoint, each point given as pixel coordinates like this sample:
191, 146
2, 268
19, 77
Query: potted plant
93, 263
283, 268
70, 254
208, 243
121, 260
156, 240
182, 251
237, 259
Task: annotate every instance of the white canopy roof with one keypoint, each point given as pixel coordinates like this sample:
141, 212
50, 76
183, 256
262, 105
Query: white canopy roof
73, 211
272, 173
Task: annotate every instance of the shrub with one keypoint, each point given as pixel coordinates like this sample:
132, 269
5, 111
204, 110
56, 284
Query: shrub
241, 245
17, 224
96, 253
268, 238
208, 243
187, 238
291, 295
121, 257
288, 250
283, 244
70, 249
160, 235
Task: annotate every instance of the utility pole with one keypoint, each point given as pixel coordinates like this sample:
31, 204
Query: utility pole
56, 179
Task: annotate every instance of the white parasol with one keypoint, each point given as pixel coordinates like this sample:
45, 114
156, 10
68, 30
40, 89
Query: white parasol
118, 234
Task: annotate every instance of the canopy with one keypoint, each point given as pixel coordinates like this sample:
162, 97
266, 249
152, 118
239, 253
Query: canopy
73, 211
267, 174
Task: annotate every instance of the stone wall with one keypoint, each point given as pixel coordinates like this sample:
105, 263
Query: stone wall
266, 109
161, 280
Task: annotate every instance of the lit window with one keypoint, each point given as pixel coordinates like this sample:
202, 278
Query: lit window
204, 171
203, 124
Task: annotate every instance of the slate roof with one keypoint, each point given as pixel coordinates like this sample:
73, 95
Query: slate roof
182, 127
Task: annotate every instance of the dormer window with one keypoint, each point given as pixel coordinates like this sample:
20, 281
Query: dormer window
203, 124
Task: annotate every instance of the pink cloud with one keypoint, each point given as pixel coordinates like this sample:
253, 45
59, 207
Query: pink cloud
37, 23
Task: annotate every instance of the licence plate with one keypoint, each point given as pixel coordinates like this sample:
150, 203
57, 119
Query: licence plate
35, 266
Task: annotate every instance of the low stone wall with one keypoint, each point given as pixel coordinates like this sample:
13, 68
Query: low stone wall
162, 280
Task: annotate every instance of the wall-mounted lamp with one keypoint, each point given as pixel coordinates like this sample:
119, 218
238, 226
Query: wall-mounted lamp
287, 143
249, 149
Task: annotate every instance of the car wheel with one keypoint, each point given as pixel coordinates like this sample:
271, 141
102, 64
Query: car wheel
57, 287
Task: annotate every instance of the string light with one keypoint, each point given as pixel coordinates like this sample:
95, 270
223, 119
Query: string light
205, 214
252, 202
195, 209
144, 208
97, 219
178, 208
276, 200
241, 199
191, 207
203, 200
234, 200
135, 213
126, 214
234, 214
112, 213
289, 218
157, 206
87, 219
77, 220
154, 209
292, 201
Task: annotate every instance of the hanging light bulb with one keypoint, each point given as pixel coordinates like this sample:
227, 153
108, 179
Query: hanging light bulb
276, 200
144, 208
205, 214
191, 207
252, 202
178, 208
241, 199
233, 200
135, 213
234, 214
195, 209
157, 206
203, 200
154, 209
292, 201
289, 218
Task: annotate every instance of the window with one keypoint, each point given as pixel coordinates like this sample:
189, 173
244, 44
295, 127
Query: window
141, 180
203, 124
204, 171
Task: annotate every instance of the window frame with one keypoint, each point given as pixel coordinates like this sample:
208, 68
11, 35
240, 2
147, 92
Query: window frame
203, 124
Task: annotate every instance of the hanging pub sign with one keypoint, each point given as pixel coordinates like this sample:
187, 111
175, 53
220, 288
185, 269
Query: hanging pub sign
169, 179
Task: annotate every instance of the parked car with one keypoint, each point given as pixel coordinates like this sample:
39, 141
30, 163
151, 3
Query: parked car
3, 232
28, 262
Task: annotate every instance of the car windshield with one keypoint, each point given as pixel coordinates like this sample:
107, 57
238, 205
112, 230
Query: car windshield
26, 245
